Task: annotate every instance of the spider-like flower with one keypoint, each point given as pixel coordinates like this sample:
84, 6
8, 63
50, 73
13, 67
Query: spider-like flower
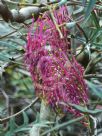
57, 76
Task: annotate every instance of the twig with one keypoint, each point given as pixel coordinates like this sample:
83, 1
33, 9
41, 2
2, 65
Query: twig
93, 76
56, 25
18, 113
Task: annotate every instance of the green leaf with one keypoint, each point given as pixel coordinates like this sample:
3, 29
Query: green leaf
26, 119
4, 57
70, 24
99, 45
90, 8
84, 2
95, 19
62, 125
9, 133
94, 89
62, 2
80, 9
96, 34
21, 129
12, 126
82, 109
43, 124
6, 44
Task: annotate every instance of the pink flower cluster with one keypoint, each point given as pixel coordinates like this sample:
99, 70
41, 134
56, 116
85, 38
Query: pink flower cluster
57, 76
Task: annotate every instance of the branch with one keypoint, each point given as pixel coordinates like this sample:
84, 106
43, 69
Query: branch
21, 15
5, 12
18, 113
93, 76
26, 13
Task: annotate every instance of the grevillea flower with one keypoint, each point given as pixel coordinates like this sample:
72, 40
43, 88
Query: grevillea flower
57, 76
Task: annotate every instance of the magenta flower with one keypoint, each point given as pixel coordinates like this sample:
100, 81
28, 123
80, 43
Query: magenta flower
57, 76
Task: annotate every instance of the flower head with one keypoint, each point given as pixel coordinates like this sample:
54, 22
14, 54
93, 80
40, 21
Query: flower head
57, 76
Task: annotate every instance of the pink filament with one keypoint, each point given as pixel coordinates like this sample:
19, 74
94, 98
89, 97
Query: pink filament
56, 77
